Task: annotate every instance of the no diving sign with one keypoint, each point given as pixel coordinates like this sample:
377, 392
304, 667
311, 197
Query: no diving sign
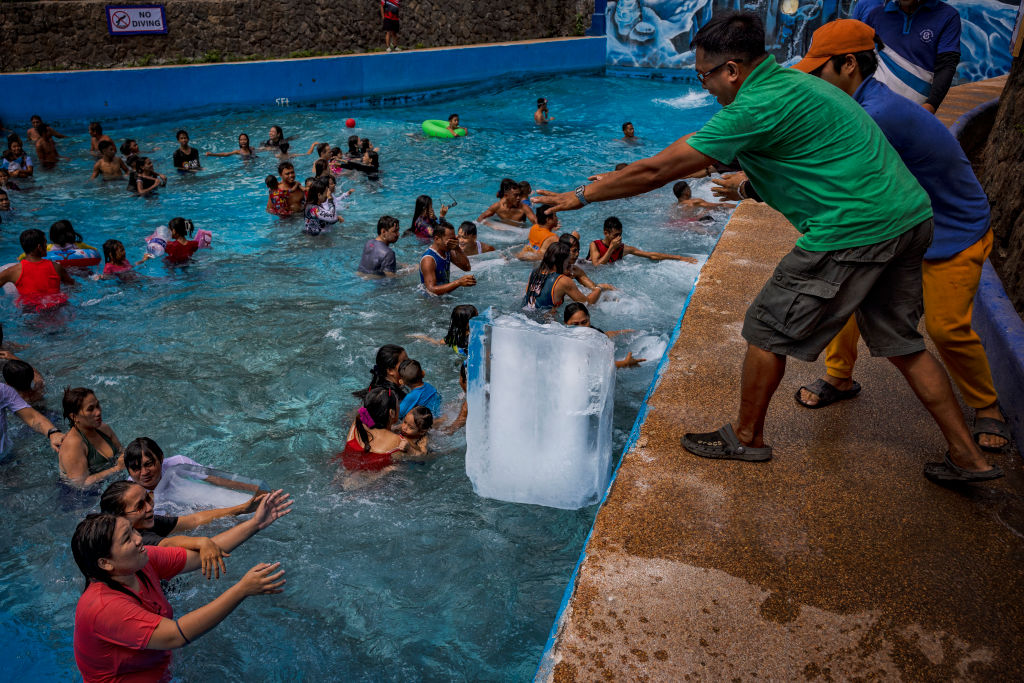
136, 20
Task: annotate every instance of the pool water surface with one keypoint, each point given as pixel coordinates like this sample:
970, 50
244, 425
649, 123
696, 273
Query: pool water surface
246, 358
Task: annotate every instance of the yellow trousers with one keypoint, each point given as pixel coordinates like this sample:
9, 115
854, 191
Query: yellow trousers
949, 289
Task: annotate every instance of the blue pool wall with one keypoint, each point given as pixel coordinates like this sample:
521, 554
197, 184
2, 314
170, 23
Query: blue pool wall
359, 80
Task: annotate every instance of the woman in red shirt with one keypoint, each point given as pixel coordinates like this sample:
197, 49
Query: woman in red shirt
181, 248
124, 626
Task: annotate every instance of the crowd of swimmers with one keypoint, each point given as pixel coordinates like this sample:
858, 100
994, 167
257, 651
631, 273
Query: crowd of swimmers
124, 625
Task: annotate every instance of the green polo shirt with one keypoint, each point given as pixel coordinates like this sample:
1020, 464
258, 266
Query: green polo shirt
815, 155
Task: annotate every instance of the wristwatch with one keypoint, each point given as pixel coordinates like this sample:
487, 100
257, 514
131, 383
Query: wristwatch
579, 195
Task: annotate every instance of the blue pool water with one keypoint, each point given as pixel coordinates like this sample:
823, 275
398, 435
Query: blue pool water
245, 360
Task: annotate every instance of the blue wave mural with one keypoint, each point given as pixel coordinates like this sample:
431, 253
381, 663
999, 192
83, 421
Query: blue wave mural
657, 33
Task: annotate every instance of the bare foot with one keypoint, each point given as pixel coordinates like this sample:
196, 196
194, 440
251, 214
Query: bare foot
991, 440
811, 398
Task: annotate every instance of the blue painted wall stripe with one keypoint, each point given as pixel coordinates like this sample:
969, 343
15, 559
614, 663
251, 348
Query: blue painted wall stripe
153, 91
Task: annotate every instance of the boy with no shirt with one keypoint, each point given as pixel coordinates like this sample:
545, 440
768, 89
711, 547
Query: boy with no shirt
109, 164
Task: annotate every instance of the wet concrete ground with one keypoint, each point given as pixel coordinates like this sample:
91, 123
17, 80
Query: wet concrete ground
837, 560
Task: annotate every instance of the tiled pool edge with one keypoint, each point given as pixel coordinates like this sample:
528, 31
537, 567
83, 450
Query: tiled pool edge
546, 667
377, 78
996, 321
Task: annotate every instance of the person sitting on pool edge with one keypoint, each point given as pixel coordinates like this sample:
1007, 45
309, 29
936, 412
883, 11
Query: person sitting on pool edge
144, 460
611, 249
578, 315
378, 256
37, 278
436, 262
468, 241
124, 626
542, 235
130, 500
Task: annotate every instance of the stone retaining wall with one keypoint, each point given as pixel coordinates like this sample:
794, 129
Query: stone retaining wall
72, 34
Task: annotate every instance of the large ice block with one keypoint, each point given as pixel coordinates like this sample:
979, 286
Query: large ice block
540, 411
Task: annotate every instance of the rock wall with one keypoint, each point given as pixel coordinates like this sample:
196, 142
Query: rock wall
72, 34
1003, 177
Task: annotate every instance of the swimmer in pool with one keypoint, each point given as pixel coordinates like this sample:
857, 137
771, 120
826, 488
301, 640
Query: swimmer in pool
572, 240
23, 378
414, 427
685, 199
453, 124
437, 260
551, 282
244, 149
540, 117
629, 133
144, 460
96, 136
577, 315
109, 165
186, 158
541, 236
468, 241
509, 208
611, 249
296, 195
372, 449
457, 338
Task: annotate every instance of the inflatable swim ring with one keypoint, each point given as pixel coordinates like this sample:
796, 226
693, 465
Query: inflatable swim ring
204, 238
435, 128
156, 244
79, 255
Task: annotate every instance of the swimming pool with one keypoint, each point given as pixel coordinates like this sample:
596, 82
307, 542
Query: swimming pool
245, 360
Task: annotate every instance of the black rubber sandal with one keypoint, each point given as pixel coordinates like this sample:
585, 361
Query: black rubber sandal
724, 445
992, 427
826, 393
947, 472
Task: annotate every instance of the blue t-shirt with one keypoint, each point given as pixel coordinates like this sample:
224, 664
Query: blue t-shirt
423, 395
938, 162
442, 266
912, 42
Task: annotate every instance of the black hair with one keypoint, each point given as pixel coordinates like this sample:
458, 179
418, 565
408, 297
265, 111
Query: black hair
110, 250
374, 159
92, 541
73, 399
138, 449
627, 123
32, 239
458, 328
112, 499
284, 147
553, 262
104, 144
541, 100
18, 374
506, 185
462, 372
181, 226
62, 232
737, 35
180, 133
353, 144
524, 188
126, 146
95, 126
572, 309
364, 145
272, 182
335, 151
612, 223
410, 371
682, 188
316, 191
451, 116
138, 163
284, 165
319, 167
442, 228
321, 147
280, 133
570, 240
386, 359
867, 61
621, 165
379, 402
468, 227
422, 417
386, 222
542, 214
248, 143
423, 202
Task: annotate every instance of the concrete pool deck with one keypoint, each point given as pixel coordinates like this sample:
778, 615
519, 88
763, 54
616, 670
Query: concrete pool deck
835, 560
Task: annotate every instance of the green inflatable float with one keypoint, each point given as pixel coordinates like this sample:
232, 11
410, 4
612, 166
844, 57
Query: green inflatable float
436, 128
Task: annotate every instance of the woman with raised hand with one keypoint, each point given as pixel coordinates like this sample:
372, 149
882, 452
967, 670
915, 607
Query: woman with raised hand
124, 626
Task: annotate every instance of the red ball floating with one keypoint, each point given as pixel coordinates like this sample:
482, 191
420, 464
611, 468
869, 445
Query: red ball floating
350, 123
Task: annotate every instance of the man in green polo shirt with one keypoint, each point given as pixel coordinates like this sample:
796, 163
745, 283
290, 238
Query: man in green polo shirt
865, 223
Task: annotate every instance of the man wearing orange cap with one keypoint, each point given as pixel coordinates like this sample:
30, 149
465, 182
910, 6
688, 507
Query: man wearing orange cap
843, 53
865, 223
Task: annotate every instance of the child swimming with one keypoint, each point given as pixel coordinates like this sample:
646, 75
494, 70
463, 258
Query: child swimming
319, 211
181, 248
423, 219
457, 338
277, 199
414, 427
116, 259
468, 241
421, 393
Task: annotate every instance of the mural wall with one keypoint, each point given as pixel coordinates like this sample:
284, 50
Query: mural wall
657, 33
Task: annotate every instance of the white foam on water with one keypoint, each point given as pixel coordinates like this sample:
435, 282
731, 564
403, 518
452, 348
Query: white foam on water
690, 100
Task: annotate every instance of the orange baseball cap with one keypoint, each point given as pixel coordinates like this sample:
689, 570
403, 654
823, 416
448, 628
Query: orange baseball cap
839, 37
